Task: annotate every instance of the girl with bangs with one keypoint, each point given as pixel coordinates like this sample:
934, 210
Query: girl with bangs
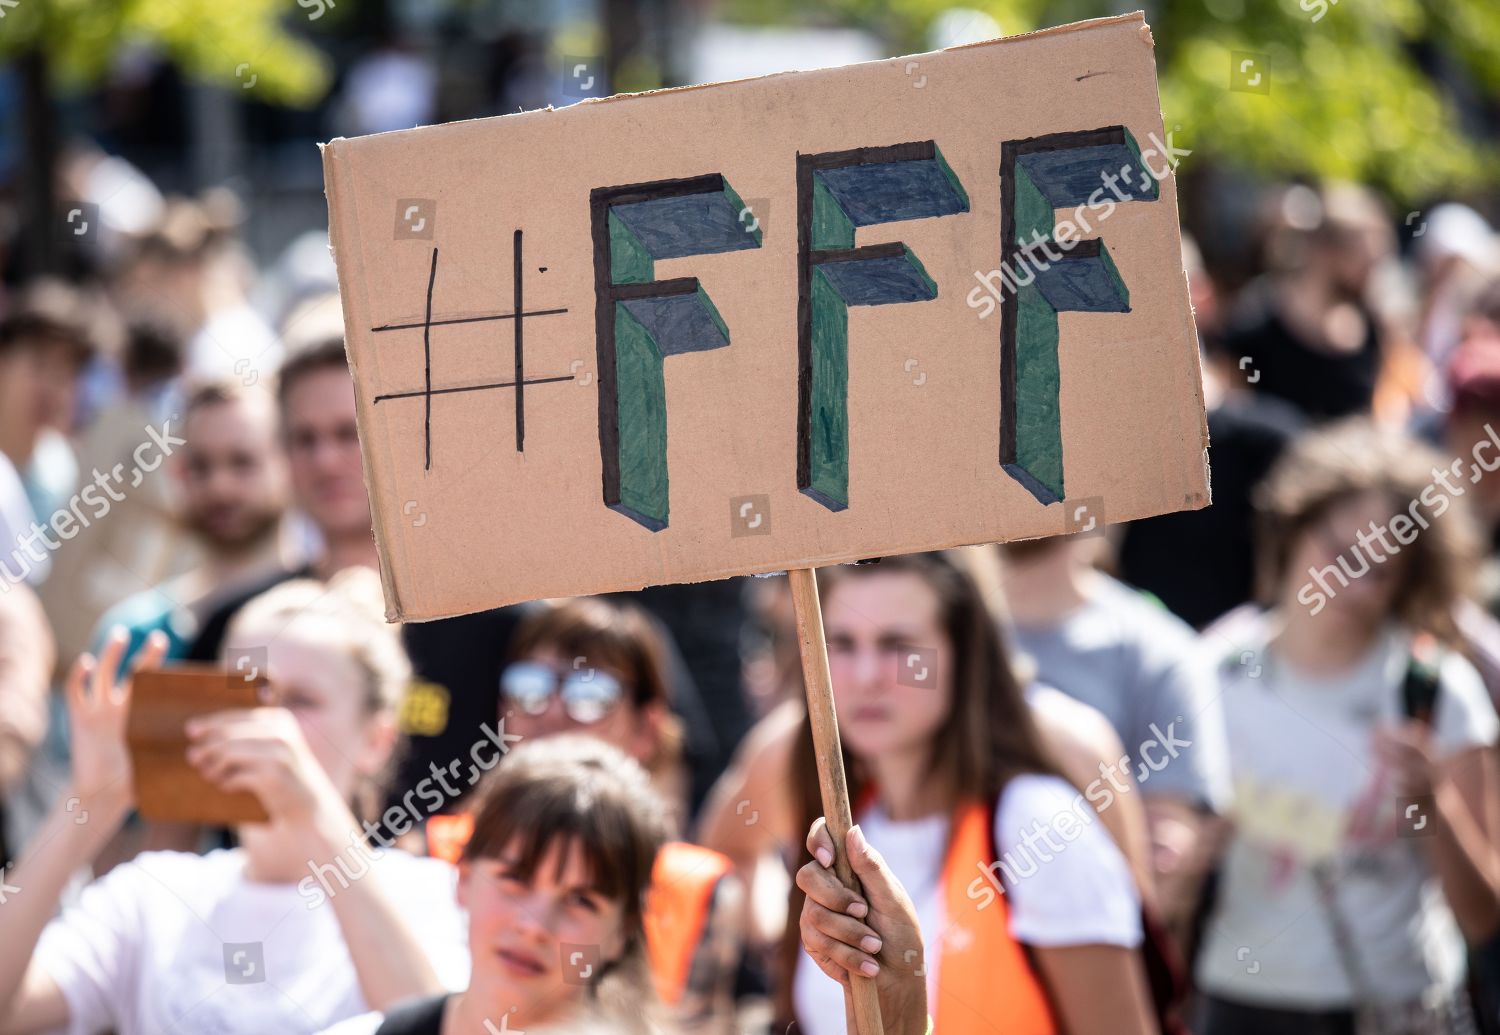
598, 667
554, 876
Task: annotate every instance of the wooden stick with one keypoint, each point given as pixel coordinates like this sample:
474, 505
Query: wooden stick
825, 731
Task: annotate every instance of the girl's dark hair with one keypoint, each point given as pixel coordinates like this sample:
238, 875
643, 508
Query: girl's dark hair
988, 737
576, 791
1333, 465
611, 634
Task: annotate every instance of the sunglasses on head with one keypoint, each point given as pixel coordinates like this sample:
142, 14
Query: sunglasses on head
588, 694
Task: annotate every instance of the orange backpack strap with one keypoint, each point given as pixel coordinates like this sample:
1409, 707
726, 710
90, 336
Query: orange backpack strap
447, 835
682, 888
986, 984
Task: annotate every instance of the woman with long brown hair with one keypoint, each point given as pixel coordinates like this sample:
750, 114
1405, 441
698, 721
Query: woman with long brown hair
953, 786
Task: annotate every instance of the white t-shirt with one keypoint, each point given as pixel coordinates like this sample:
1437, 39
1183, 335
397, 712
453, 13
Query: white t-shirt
1083, 894
1309, 790
175, 943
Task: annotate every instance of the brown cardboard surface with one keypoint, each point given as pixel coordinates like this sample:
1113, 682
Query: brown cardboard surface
167, 787
466, 520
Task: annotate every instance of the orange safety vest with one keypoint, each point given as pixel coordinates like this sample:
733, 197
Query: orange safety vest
986, 984
677, 904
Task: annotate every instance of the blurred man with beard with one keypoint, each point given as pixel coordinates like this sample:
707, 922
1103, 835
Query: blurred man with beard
233, 486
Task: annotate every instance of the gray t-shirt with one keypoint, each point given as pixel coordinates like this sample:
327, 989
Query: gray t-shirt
1143, 668
1309, 790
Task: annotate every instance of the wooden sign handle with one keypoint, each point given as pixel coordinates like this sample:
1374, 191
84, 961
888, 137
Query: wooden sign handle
825, 731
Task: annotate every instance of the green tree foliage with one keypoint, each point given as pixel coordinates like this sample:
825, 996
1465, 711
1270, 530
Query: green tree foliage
1348, 99
224, 41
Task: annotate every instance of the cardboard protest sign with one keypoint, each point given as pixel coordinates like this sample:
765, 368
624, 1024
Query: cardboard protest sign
784, 322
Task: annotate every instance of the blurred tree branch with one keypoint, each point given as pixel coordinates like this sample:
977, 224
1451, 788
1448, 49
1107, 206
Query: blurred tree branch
70, 44
1351, 96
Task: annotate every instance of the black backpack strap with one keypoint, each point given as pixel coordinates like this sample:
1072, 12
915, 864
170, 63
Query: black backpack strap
415, 1017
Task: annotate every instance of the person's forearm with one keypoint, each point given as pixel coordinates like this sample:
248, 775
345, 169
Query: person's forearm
1465, 865
388, 960
69, 838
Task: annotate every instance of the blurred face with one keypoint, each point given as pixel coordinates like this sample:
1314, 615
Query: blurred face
38, 378
537, 707
1368, 598
232, 473
524, 934
890, 660
326, 691
1353, 254
322, 445
169, 291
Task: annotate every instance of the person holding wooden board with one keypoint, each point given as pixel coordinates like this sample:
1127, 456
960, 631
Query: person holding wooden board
230, 941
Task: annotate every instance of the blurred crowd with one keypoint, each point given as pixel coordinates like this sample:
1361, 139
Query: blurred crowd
1229, 771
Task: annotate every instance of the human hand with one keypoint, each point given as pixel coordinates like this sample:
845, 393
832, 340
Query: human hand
98, 711
845, 931
1408, 751
263, 751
